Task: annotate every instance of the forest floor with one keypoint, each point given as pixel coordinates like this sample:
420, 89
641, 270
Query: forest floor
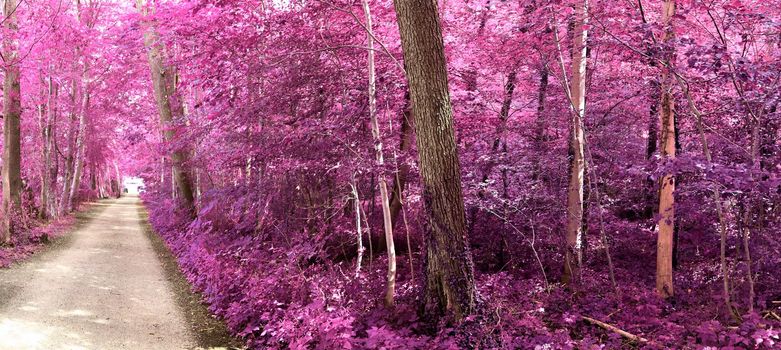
107, 285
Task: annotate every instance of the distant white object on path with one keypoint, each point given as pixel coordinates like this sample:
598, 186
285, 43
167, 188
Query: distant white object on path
132, 185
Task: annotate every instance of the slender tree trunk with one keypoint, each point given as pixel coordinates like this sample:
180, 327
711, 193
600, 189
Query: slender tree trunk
540, 124
78, 160
173, 183
100, 179
450, 285
70, 156
716, 199
169, 105
666, 225
93, 180
358, 229
653, 124
403, 170
650, 188
119, 179
386, 213
574, 236
767, 140
504, 114
406, 231
12, 110
55, 168
79, 154
747, 256
754, 150
197, 184
542, 94
46, 163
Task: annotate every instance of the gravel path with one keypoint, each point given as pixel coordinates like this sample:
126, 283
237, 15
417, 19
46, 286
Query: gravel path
103, 288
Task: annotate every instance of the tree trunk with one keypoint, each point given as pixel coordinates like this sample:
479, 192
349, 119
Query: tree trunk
164, 80
540, 125
47, 129
358, 229
55, 168
386, 213
542, 94
70, 156
403, 168
78, 160
666, 225
653, 125
119, 179
574, 236
449, 285
755, 151
12, 110
504, 113
650, 189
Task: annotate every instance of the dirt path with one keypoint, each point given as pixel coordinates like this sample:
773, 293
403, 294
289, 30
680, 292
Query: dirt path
103, 289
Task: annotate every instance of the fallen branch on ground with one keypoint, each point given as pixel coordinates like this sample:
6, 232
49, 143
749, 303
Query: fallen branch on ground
770, 314
615, 329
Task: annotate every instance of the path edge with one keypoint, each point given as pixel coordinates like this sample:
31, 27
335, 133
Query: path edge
208, 331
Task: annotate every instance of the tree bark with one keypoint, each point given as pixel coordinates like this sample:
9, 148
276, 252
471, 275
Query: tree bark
666, 225
119, 179
358, 229
47, 130
164, 80
67, 181
12, 110
78, 160
449, 284
386, 212
653, 125
650, 188
540, 124
542, 94
574, 236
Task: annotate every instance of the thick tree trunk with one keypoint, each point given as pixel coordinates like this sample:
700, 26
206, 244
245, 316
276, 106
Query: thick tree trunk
12, 110
169, 105
574, 236
386, 212
449, 285
666, 225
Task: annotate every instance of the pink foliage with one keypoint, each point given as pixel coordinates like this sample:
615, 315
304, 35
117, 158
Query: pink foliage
276, 133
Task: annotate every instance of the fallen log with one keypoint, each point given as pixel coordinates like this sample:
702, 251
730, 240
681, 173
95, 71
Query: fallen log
615, 329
